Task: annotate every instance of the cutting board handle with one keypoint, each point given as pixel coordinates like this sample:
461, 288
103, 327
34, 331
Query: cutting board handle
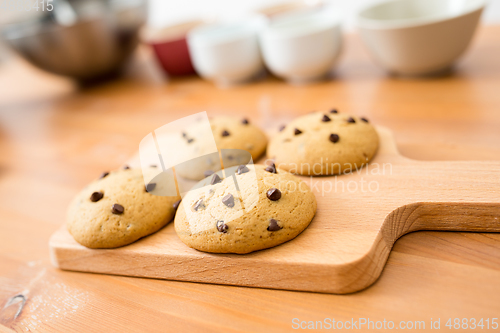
445, 216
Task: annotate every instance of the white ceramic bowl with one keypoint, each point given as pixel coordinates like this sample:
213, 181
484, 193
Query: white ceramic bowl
419, 37
227, 52
302, 46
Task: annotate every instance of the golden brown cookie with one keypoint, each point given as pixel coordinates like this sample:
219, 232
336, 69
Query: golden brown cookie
229, 133
116, 210
324, 143
260, 210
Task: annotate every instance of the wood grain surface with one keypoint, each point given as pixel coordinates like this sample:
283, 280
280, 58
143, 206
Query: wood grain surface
55, 138
344, 249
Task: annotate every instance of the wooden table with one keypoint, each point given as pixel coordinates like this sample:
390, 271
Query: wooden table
55, 138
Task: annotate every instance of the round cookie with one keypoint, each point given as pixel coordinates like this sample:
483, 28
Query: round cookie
324, 143
229, 133
116, 210
269, 209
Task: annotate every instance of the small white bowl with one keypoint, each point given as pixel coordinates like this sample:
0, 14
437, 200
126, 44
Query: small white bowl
227, 52
302, 46
419, 37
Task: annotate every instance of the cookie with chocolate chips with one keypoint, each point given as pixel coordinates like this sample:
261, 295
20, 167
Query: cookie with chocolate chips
229, 133
245, 211
118, 209
324, 143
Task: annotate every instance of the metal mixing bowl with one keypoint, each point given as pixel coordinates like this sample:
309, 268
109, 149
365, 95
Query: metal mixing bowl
81, 39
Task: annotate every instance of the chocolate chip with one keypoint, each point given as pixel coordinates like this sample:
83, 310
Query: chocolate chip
117, 209
208, 173
215, 179
104, 174
297, 131
245, 121
176, 204
271, 168
334, 111
153, 165
150, 187
199, 204
221, 226
282, 127
273, 194
230, 157
273, 225
184, 135
126, 167
325, 118
334, 138
242, 169
228, 200
96, 196
365, 120
225, 133
190, 140
351, 120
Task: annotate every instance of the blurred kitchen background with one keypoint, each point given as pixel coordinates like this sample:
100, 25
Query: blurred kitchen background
70, 41
161, 11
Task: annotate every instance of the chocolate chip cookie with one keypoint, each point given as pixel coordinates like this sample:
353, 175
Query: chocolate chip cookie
118, 209
245, 209
238, 139
324, 143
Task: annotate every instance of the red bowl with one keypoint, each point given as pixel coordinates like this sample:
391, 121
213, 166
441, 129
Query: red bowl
170, 47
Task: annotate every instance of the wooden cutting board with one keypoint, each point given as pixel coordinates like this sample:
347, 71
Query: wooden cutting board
344, 249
